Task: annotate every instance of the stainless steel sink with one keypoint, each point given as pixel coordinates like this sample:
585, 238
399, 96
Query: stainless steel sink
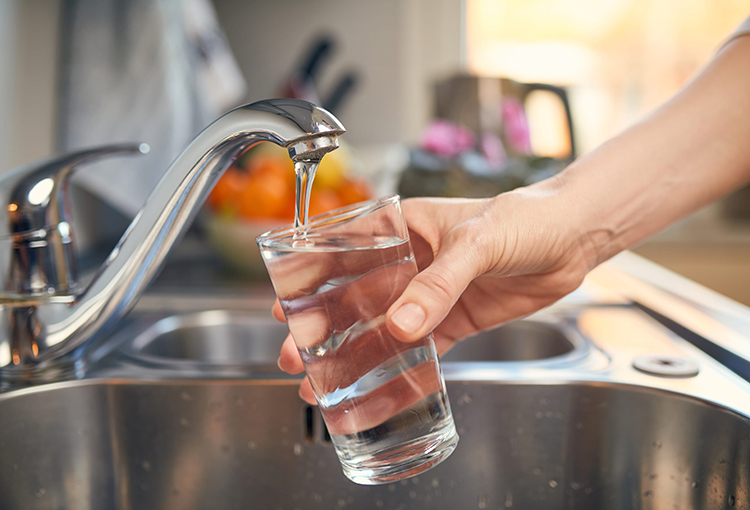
186, 409
222, 338
214, 338
526, 340
122, 444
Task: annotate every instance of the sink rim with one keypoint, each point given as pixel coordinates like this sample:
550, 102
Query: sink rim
615, 384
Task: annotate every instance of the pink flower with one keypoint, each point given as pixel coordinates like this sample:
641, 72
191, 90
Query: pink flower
493, 150
447, 139
516, 126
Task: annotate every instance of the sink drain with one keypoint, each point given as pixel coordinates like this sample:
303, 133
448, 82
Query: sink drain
666, 366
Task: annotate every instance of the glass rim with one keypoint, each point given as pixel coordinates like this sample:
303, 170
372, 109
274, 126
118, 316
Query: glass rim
335, 216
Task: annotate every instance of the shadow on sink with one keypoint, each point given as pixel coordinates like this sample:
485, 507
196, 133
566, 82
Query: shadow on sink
229, 338
251, 444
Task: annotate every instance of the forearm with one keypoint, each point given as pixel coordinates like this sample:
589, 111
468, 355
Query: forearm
691, 151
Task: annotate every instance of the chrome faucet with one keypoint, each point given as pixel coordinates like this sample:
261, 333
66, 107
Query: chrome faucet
45, 318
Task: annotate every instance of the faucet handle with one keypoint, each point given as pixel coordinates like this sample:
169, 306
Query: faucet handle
37, 256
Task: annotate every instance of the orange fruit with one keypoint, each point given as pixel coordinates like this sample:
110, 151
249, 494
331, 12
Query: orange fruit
265, 196
323, 200
227, 191
354, 190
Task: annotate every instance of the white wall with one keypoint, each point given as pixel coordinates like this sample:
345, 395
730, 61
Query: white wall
399, 47
8, 16
28, 80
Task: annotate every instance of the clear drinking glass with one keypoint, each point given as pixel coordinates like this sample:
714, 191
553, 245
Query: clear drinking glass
383, 401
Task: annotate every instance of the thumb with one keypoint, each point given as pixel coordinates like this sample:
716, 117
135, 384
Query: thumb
429, 297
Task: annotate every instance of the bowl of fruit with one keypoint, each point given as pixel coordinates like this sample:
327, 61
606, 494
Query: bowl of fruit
257, 194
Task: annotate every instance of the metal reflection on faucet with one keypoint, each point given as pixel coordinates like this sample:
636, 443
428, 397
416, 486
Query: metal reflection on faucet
40, 303
41, 191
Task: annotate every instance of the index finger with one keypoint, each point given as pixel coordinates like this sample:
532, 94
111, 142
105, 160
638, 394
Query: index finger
277, 312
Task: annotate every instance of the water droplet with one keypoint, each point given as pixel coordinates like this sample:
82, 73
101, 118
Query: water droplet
695, 484
575, 486
412, 495
508, 500
284, 429
317, 497
649, 494
435, 482
15, 467
40, 493
464, 399
731, 500
297, 449
539, 415
588, 490
184, 422
652, 476
483, 500
404, 482
346, 411
415, 480
252, 445
186, 396
553, 483
391, 488
341, 503
379, 503
536, 471
146, 465
657, 444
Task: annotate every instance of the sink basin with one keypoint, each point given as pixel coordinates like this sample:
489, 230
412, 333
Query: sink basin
213, 338
525, 340
201, 444
231, 338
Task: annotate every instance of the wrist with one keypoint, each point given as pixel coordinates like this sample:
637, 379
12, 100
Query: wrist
581, 218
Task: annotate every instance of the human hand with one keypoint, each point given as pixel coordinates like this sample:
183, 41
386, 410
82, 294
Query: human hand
485, 262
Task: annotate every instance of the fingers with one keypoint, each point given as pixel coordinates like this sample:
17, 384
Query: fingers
432, 293
289, 359
306, 392
291, 363
277, 312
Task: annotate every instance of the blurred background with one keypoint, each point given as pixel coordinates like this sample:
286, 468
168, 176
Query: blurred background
439, 97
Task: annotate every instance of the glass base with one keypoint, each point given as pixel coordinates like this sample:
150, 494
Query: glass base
404, 460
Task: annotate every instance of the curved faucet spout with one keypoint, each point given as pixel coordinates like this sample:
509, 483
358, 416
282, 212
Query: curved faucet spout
308, 132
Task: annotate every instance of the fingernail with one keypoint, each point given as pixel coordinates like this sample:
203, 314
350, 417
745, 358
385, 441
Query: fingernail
409, 318
278, 364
